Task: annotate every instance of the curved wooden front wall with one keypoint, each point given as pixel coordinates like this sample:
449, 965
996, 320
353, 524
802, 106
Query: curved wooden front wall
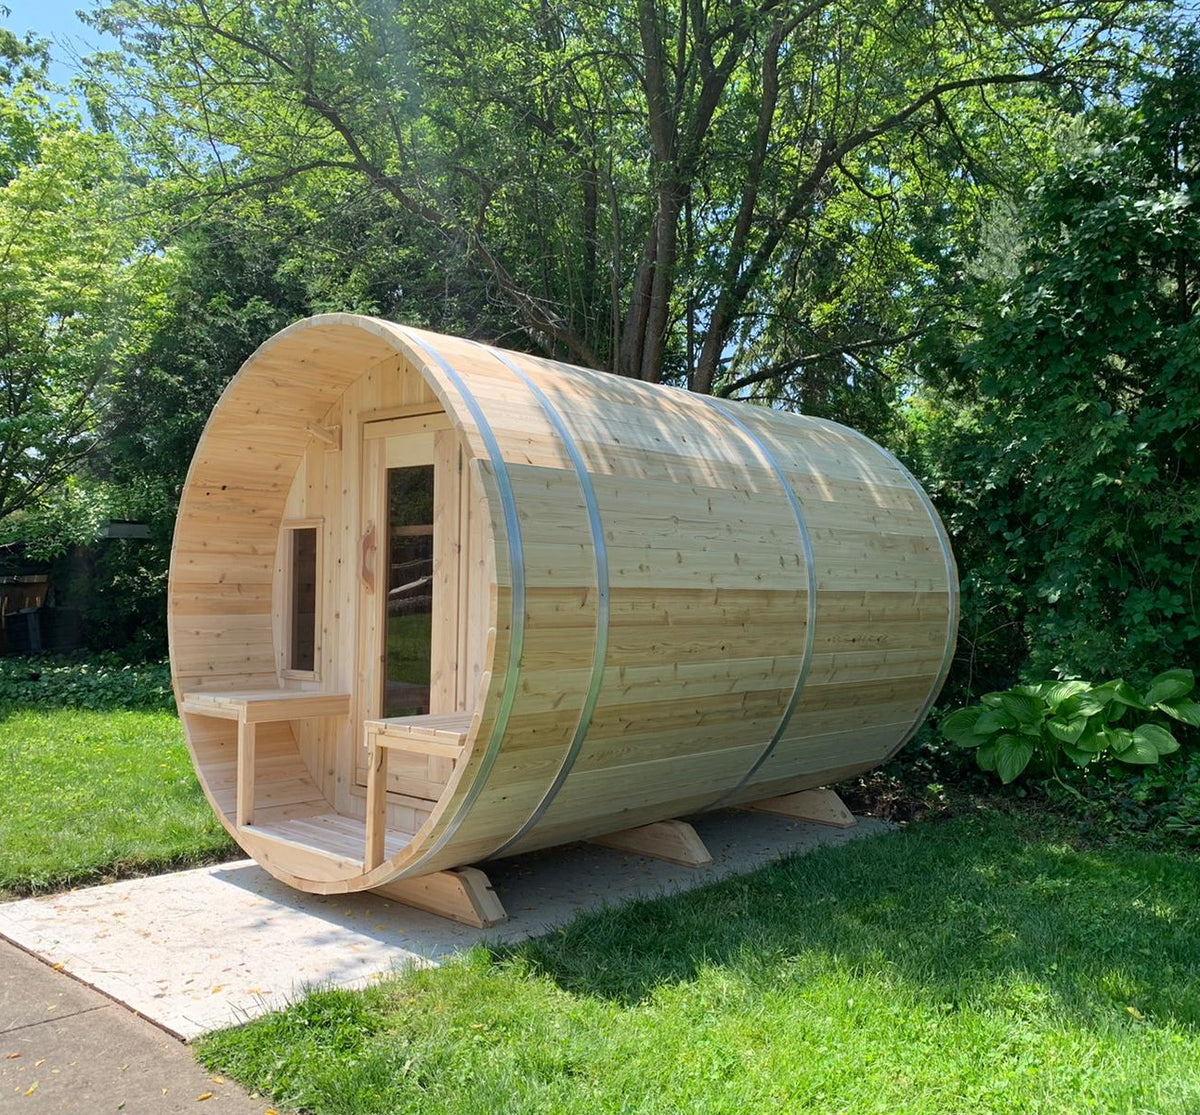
695, 602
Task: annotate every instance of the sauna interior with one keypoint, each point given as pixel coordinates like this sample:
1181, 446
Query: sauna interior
431, 602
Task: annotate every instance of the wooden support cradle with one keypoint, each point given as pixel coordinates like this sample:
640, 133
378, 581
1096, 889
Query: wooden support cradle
673, 841
463, 894
819, 807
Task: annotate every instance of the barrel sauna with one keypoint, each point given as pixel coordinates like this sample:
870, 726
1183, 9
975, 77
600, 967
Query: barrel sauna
432, 602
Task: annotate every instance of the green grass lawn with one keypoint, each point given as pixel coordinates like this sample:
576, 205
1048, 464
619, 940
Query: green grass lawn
92, 795
979, 965
993, 963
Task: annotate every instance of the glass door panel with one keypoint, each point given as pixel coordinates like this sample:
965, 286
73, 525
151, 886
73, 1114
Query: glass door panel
409, 609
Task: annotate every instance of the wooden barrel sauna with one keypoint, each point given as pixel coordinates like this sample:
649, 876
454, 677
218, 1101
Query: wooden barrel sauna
433, 602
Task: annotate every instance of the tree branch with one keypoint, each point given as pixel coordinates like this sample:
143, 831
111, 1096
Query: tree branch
785, 367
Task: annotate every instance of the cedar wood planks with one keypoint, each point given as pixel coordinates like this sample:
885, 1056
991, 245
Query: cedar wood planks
707, 593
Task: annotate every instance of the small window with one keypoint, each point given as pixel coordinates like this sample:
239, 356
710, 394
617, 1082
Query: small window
302, 616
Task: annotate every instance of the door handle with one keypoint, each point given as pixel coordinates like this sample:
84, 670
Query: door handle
368, 557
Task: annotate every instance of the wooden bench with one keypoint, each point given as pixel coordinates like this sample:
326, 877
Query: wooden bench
439, 735
260, 707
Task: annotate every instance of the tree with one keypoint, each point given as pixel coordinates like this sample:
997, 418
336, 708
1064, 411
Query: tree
235, 279
76, 287
1072, 484
673, 191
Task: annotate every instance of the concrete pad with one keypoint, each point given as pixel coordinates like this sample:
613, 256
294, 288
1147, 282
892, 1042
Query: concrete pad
203, 949
67, 1050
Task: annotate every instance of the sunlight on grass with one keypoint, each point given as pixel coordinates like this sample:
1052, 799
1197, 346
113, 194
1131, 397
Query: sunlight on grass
88, 795
971, 966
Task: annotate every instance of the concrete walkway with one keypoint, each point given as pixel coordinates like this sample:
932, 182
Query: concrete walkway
68, 1050
199, 950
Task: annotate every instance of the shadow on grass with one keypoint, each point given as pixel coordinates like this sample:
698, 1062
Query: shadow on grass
961, 909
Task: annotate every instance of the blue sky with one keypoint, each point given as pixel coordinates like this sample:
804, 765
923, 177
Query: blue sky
55, 20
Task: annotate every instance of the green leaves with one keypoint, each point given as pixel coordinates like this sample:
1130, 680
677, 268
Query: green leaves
1025, 709
80, 283
1056, 693
100, 684
959, 727
1067, 731
1066, 450
1120, 693
995, 720
1170, 686
1169, 693
1186, 711
573, 153
1042, 724
1156, 737
1012, 755
1077, 755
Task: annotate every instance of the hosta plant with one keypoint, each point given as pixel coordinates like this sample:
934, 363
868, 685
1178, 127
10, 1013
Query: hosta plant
1074, 720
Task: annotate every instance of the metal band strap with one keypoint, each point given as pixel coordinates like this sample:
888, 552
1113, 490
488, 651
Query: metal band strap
951, 582
600, 553
726, 409
952, 587
516, 560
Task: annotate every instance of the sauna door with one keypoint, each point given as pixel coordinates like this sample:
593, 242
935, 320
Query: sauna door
423, 599
409, 576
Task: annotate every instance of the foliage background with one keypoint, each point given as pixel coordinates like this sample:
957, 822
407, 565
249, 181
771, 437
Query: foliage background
969, 233
1063, 446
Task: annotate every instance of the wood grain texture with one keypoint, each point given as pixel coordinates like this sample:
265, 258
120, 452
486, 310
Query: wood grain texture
573, 510
673, 841
462, 894
818, 807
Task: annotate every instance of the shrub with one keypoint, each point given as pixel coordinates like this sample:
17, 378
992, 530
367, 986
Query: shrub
1166, 795
1063, 452
100, 683
1080, 721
